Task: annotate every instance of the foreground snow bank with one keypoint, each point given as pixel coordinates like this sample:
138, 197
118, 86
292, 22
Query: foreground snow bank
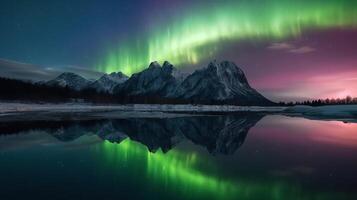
336, 111
22, 107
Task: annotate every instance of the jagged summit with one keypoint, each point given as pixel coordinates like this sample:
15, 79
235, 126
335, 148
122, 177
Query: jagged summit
107, 82
154, 80
179, 75
167, 65
221, 82
116, 75
69, 79
154, 64
65, 75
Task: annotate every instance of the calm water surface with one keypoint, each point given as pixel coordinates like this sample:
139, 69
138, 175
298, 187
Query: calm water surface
216, 157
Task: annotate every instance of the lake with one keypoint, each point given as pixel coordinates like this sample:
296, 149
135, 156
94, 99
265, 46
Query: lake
236, 156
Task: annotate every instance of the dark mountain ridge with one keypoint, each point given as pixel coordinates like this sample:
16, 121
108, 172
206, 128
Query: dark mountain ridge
218, 83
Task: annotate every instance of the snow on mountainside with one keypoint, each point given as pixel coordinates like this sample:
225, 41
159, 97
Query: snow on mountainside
219, 82
70, 80
155, 80
107, 82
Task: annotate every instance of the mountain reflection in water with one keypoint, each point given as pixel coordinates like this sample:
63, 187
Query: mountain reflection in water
219, 134
189, 157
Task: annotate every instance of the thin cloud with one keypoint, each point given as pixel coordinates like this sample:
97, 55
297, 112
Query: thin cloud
25, 71
290, 48
281, 46
302, 50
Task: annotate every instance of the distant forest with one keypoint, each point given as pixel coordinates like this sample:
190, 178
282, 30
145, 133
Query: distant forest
18, 90
22, 91
11, 89
348, 100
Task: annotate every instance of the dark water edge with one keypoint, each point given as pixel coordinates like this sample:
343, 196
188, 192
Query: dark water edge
237, 156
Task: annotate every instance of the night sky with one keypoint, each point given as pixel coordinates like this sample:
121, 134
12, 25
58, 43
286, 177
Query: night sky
290, 50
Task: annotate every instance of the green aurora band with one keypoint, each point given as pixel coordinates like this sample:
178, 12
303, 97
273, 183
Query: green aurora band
198, 32
182, 172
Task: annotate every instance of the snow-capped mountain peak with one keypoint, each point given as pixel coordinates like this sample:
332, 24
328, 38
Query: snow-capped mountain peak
154, 80
179, 75
71, 80
154, 64
107, 82
219, 82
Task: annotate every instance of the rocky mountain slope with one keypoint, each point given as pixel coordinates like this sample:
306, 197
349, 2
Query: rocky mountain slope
107, 82
219, 82
153, 81
70, 80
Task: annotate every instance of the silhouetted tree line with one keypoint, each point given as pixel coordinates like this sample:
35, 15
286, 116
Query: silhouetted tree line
11, 89
348, 100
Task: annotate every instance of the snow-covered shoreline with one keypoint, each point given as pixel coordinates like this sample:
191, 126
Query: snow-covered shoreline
335, 112
76, 107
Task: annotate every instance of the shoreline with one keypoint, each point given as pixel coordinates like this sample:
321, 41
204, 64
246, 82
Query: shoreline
80, 107
12, 111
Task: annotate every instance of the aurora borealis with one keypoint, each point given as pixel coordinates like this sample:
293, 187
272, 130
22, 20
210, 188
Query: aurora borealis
289, 50
260, 101
193, 175
197, 33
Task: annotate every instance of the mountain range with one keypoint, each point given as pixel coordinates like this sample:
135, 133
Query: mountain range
218, 83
